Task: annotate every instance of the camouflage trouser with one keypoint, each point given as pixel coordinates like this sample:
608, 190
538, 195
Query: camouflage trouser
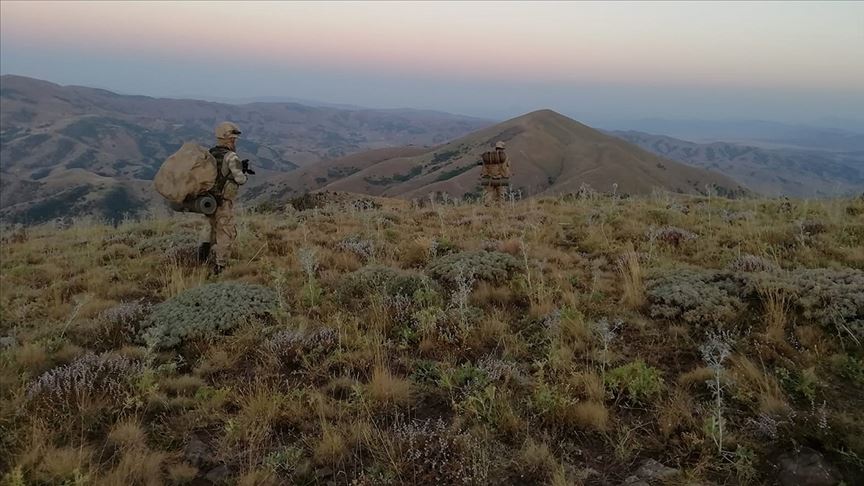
223, 232
493, 194
494, 189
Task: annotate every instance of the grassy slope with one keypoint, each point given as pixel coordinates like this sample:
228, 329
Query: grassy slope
518, 384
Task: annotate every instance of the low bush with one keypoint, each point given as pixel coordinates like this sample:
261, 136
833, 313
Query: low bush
391, 282
433, 454
751, 263
695, 296
832, 298
207, 311
638, 381
488, 266
363, 248
87, 382
671, 235
292, 347
123, 322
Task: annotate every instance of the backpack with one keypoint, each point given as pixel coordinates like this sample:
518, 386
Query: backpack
190, 179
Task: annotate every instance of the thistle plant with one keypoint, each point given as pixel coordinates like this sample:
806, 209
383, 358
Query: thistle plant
714, 352
462, 291
606, 333
308, 258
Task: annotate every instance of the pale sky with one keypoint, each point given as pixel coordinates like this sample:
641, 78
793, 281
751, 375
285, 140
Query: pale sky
785, 61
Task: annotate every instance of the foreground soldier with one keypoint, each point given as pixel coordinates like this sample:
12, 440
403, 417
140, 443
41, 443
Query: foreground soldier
495, 176
231, 173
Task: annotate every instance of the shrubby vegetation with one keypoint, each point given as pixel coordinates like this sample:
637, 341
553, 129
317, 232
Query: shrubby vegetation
696, 296
207, 311
488, 266
358, 341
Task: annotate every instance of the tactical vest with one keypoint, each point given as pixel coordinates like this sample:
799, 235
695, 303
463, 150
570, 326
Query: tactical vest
218, 152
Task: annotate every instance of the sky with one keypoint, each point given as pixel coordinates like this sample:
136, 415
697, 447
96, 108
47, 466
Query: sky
783, 61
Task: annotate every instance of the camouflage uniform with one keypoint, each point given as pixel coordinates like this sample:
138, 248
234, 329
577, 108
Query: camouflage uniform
223, 229
495, 177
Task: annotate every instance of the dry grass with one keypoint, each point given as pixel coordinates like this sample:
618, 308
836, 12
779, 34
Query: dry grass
331, 447
128, 434
387, 389
632, 280
753, 382
519, 377
776, 303
591, 415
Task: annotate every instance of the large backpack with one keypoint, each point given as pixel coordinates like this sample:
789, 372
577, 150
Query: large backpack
191, 179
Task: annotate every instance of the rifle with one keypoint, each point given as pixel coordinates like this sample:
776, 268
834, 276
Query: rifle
246, 169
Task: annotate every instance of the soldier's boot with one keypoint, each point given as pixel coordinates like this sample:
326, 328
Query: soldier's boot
216, 269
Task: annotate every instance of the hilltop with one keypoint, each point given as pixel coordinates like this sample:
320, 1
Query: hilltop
550, 155
559, 341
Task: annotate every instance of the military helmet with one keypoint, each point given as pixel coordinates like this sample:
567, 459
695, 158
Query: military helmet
499, 145
227, 130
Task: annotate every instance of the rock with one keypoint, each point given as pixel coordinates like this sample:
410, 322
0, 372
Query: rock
197, 453
805, 467
651, 469
8, 342
218, 475
634, 481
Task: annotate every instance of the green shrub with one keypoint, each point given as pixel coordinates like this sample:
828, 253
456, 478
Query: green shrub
391, 282
637, 380
694, 296
832, 298
207, 311
489, 266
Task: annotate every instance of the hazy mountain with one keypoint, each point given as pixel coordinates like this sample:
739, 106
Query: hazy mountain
765, 134
550, 154
803, 173
56, 140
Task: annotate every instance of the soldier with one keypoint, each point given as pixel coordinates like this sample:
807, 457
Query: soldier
495, 175
231, 173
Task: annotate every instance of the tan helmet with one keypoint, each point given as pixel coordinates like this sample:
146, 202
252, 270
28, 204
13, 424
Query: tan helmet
499, 145
227, 131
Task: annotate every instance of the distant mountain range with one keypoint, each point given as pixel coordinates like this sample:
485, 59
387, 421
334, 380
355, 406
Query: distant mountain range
550, 153
793, 172
757, 133
69, 149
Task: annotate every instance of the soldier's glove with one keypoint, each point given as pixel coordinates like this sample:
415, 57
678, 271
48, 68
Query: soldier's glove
246, 169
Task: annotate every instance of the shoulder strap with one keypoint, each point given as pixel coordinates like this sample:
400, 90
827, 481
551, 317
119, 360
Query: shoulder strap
218, 152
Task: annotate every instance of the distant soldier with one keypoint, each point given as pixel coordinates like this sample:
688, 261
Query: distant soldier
231, 173
495, 177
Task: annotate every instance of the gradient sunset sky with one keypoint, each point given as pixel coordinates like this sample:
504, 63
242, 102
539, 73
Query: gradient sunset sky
778, 61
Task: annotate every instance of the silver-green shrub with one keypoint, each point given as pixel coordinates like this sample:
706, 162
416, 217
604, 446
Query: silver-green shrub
208, 310
389, 281
694, 296
751, 263
488, 266
832, 298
